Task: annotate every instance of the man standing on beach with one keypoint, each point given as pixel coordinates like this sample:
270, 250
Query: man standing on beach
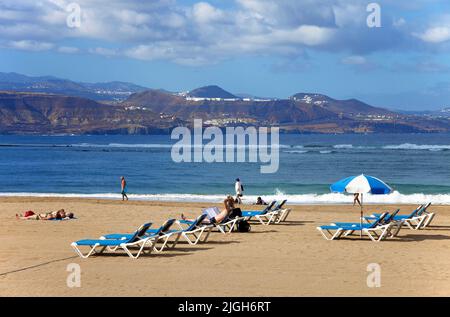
239, 189
123, 187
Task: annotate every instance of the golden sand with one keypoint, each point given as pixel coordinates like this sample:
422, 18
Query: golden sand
288, 259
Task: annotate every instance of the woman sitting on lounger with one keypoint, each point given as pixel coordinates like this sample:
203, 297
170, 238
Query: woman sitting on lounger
59, 215
229, 207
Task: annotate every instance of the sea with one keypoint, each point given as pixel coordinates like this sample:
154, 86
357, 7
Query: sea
416, 166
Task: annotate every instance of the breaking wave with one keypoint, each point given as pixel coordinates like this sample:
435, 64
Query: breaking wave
329, 198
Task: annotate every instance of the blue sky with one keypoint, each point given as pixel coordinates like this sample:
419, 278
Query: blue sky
261, 47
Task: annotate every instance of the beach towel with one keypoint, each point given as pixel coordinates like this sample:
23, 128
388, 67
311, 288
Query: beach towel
28, 213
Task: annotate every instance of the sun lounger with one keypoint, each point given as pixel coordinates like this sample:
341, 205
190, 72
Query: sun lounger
264, 216
389, 218
268, 216
430, 216
163, 234
280, 212
376, 231
259, 212
226, 226
418, 218
193, 233
138, 239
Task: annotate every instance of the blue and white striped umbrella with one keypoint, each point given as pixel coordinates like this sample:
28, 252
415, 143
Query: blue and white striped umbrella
361, 184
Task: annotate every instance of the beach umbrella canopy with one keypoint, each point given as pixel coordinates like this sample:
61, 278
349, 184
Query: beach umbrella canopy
361, 184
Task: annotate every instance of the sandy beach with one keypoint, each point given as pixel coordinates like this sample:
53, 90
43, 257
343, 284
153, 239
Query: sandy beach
288, 259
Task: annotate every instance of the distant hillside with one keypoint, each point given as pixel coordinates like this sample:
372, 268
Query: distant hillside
303, 112
443, 113
347, 107
158, 111
110, 91
47, 113
211, 92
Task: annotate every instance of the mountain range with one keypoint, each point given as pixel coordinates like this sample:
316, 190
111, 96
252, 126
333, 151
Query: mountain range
46, 105
111, 91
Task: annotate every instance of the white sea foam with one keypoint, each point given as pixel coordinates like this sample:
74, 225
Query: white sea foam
296, 151
157, 146
411, 146
329, 198
343, 146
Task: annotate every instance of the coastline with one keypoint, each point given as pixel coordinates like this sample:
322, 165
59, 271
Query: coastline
295, 199
292, 258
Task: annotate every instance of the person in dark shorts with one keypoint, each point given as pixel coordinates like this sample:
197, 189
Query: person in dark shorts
123, 187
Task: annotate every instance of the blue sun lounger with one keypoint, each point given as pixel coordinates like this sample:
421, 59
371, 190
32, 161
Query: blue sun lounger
226, 226
418, 218
376, 231
389, 218
280, 212
137, 239
162, 234
193, 233
268, 216
263, 216
259, 212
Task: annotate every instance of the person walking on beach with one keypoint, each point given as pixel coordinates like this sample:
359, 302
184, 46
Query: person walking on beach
356, 199
123, 187
239, 189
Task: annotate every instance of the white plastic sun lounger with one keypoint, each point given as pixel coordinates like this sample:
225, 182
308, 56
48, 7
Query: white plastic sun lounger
280, 213
160, 237
265, 216
138, 239
417, 219
389, 218
226, 226
376, 231
268, 216
194, 232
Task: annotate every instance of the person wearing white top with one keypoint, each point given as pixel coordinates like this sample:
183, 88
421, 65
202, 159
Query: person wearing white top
239, 189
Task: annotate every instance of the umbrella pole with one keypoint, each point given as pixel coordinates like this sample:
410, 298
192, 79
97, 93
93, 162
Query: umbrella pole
361, 216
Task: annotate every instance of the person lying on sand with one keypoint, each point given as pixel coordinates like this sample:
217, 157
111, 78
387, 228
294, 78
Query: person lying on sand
60, 215
260, 201
229, 207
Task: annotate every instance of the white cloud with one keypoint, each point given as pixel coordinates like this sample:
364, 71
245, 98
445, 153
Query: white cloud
436, 34
203, 12
31, 45
354, 60
205, 33
68, 49
108, 52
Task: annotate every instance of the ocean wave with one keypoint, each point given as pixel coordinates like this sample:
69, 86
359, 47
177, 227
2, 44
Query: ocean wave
343, 146
296, 151
300, 199
164, 146
411, 146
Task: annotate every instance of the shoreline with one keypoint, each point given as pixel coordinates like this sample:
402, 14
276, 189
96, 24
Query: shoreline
298, 200
166, 202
